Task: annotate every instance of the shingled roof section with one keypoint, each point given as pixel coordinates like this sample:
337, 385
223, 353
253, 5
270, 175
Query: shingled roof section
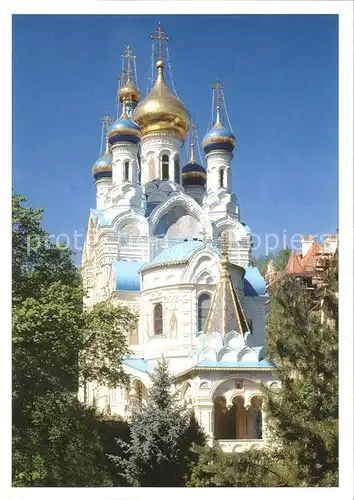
226, 313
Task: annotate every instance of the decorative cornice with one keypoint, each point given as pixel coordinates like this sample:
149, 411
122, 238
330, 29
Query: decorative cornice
226, 369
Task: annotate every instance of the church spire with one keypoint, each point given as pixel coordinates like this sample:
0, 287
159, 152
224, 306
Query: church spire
160, 38
226, 313
128, 92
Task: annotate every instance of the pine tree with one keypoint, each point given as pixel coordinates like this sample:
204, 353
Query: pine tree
302, 414
162, 432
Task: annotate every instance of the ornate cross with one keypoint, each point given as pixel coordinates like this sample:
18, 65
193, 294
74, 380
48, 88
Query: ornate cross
128, 55
218, 89
160, 37
106, 120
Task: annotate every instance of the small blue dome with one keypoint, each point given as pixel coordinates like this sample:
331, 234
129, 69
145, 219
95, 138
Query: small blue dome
102, 169
219, 137
193, 174
123, 130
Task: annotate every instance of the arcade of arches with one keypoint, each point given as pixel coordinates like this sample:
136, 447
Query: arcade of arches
236, 421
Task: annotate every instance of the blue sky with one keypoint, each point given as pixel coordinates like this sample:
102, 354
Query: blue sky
280, 79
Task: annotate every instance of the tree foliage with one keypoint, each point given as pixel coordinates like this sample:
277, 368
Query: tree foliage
247, 469
280, 260
104, 344
162, 432
56, 440
305, 349
302, 412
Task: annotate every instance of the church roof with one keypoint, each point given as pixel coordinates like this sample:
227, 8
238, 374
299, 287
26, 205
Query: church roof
127, 275
293, 266
254, 283
206, 363
226, 312
304, 265
142, 365
178, 253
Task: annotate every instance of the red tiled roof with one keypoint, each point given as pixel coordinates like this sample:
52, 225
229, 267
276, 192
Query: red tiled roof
308, 262
293, 266
300, 265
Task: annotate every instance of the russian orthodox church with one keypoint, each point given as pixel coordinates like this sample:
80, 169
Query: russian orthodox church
166, 239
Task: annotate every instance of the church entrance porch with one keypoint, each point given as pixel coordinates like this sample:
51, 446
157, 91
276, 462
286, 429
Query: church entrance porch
238, 426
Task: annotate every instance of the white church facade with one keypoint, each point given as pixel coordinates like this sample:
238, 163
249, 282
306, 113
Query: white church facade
156, 242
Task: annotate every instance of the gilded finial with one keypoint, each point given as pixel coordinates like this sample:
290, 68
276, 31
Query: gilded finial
225, 253
128, 90
124, 114
218, 119
106, 120
192, 157
122, 78
128, 56
217, 87
160, 37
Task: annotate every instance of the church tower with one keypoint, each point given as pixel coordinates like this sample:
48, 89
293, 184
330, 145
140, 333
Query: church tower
102, 169
194, 176
123, 139
218, 145
164, 122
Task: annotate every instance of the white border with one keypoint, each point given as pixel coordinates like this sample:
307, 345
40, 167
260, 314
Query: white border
345, 11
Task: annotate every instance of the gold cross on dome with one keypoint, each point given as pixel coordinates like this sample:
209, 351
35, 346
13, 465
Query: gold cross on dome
122, 78
128, 55
218, 89
160, 37
106, 120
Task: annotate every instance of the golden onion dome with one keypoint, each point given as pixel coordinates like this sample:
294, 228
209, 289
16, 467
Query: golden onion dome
128, 92
161, 111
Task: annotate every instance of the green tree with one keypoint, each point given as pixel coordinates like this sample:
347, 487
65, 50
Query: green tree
50, 332
305, 350
247, 469
280, 260
162, 432
104, 344
302, 413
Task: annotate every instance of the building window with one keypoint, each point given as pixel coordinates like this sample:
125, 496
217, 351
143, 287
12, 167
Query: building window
165, 165
203, 310
221, 178
177, 169
158, 320
238, 385
126, 171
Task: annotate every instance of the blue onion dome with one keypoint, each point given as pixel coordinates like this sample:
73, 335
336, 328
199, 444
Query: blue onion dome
193, 174
219, 137
123, 130
102, 168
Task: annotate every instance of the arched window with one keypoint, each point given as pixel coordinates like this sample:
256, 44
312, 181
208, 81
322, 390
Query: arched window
203, 310
221, 178
158, 320
126, 171
177, 169
165, 165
